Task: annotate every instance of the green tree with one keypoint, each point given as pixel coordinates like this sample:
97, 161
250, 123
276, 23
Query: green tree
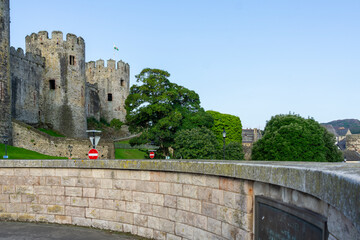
230, 123
157, 108
234, 151
293, 138
197, 119
116, 123
196, 143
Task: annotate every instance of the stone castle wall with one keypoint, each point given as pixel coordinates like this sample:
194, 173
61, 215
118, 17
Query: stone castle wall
92, 101
29, 138
113, 84
5, 82
63, 86
27, 71
175, 199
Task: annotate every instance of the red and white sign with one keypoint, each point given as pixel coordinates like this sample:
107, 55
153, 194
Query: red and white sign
93, 154
152, 155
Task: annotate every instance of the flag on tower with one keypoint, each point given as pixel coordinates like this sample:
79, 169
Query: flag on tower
116, 48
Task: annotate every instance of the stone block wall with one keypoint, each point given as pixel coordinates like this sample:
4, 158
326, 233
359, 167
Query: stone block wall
63, 82
169, 199
113, 83
29, 138
26, 79
5, 83
155, 205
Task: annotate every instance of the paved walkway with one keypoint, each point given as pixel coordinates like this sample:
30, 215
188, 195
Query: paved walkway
43, 231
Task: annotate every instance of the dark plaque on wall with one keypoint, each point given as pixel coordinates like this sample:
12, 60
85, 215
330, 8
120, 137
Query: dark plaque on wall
277, 220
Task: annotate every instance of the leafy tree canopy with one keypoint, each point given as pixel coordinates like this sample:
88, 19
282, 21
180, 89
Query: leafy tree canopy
196, 143
232, 125
158, 109
234, 151
293, 138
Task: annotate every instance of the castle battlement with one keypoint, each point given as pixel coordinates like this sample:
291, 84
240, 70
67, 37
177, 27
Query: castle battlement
30, 57
57, 37
110, 65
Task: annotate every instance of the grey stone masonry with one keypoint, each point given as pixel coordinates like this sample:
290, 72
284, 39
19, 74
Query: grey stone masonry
5, 84
26, 78
172, 199
113, 83
63, 85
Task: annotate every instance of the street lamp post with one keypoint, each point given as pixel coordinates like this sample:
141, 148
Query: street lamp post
224, 136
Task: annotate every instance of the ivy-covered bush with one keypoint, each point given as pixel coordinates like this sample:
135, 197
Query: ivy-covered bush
232, 125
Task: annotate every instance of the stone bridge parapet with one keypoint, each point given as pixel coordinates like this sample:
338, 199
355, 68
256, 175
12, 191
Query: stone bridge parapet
173, 199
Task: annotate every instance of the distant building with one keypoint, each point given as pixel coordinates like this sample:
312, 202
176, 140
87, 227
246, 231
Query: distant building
342, 133
347, 142
249, 136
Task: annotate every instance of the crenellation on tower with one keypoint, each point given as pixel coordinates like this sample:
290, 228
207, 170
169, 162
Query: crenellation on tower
64, 82
99, 64
30, 57
90, 65
113, 84
110, 64
50, 82
42, 35
57, 36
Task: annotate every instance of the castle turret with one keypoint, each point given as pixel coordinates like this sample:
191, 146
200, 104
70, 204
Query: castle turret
5, 84
63, 85
113, 84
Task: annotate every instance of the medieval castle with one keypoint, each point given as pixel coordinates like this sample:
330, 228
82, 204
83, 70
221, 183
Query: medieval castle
52, 84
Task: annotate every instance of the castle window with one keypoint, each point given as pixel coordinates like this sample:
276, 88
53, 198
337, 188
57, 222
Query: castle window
109, 97
52, 84
122, 82
72, 60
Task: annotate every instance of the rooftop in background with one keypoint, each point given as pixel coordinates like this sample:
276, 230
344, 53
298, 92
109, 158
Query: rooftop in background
351, 155
251, 135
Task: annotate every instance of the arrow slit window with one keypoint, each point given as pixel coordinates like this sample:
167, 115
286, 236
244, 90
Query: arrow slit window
72, 60
52, 84
109, 97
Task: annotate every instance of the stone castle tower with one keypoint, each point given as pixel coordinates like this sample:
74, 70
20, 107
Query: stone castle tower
5, 82
113, 86
63, 84
51, 84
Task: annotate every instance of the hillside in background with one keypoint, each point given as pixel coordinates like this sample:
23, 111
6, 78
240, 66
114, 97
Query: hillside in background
352, 124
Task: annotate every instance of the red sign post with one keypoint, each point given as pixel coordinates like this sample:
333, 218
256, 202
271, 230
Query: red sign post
151, 155
93, 154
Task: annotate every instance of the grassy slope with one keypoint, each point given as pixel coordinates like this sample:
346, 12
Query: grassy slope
129, 154
51, 132
21, 153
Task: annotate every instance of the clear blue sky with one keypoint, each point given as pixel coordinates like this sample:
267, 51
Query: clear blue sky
253, 59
